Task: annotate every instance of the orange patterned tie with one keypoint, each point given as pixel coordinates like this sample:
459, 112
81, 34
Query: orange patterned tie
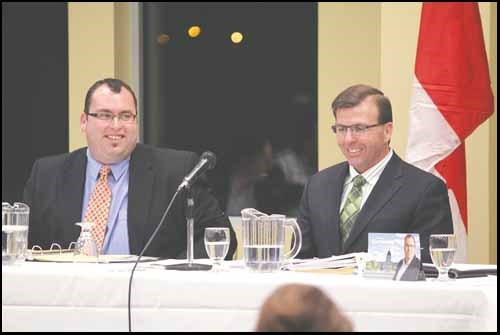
98, 207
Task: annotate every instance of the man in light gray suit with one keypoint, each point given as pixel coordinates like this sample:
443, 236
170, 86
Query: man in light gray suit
374, 190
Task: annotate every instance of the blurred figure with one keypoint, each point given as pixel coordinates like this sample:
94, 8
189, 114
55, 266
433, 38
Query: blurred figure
292, 167
275, 195
298, 159
299, 307
251, 161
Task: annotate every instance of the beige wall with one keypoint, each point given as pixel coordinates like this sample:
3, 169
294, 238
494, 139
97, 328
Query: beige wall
99, 47
389, 31
91, 55
373, 43
349, 43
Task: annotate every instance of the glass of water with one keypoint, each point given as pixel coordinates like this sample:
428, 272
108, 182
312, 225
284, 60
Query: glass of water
86, 246
442, 248
217, 245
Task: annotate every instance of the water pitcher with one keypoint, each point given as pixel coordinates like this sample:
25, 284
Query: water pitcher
15, 221
264, 240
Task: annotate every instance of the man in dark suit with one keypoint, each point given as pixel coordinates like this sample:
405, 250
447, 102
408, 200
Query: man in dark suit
374, 191
409, 268
142, 181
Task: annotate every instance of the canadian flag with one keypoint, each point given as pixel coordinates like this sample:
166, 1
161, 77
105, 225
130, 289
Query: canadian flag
451, 97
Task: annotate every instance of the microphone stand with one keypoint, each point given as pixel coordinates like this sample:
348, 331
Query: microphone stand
210, 158
189, 266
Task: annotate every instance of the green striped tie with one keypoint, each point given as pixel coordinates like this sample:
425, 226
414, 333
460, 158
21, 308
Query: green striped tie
351, 207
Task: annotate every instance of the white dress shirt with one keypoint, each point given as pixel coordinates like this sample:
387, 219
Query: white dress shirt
371, 176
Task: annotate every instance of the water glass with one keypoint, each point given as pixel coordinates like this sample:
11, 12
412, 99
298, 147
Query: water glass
442, 248
86, 246
217, 245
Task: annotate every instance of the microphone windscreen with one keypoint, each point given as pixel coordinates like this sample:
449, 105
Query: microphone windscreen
210, 157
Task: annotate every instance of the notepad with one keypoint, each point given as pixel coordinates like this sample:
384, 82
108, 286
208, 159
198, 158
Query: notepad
70, 258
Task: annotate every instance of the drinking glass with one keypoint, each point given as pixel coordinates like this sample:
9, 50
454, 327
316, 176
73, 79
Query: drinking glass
217, 245
86, 245
442, 248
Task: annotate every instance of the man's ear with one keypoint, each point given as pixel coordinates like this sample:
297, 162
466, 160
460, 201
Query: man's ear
83, 122
388, 132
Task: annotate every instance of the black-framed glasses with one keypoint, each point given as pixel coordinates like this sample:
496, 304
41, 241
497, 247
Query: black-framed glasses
126, 117
356, 129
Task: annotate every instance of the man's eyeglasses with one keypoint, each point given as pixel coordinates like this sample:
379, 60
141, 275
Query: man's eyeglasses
126, 117
356, 129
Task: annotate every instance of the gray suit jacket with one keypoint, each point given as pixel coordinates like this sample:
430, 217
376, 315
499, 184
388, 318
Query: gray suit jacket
413, 272
404, 200
55, 188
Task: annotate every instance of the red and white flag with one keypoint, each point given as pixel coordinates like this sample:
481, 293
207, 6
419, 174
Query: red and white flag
451, 97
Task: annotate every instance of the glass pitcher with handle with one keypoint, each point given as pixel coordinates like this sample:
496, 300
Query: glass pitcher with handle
264, 240
15, 224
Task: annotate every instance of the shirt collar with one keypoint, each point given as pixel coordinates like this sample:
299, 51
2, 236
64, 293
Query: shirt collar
117, 169
411, 260
372, 173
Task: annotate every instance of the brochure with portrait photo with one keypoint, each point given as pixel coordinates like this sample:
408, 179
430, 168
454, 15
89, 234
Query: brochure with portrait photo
394, 256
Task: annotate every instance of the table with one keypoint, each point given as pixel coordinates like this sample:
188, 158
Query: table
39, 296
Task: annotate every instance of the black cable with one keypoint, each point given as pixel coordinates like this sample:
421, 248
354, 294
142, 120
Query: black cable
140, 255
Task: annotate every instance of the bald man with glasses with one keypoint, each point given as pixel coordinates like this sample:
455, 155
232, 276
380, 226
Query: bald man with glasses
373, 190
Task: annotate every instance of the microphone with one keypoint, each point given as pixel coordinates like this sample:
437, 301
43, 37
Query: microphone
207, 162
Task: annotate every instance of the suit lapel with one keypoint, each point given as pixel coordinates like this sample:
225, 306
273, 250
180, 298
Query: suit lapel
333, 198
140, 189
71, 193
386, 186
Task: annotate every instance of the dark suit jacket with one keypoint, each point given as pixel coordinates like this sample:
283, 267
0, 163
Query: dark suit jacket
55, 189
414, 271
404, 200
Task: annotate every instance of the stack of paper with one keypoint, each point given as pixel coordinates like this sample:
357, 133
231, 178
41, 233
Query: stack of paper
333, 262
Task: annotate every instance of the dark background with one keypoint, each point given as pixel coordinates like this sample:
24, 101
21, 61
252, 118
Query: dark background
34, 89
205, 93
199, 94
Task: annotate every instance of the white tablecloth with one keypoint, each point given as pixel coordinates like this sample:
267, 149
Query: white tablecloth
93, 297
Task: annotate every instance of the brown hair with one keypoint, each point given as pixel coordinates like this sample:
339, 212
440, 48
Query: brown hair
299, 307
354, 95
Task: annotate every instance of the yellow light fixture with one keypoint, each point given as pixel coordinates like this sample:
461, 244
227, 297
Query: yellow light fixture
236, 37
194, 31
163, 39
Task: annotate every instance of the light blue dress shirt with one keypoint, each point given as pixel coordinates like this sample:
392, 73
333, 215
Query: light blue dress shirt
116, 239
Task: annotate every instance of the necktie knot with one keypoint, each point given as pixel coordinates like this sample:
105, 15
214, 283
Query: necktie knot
104, 172
358, 181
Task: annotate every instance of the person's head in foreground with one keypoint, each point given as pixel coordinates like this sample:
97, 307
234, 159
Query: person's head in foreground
299, 307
